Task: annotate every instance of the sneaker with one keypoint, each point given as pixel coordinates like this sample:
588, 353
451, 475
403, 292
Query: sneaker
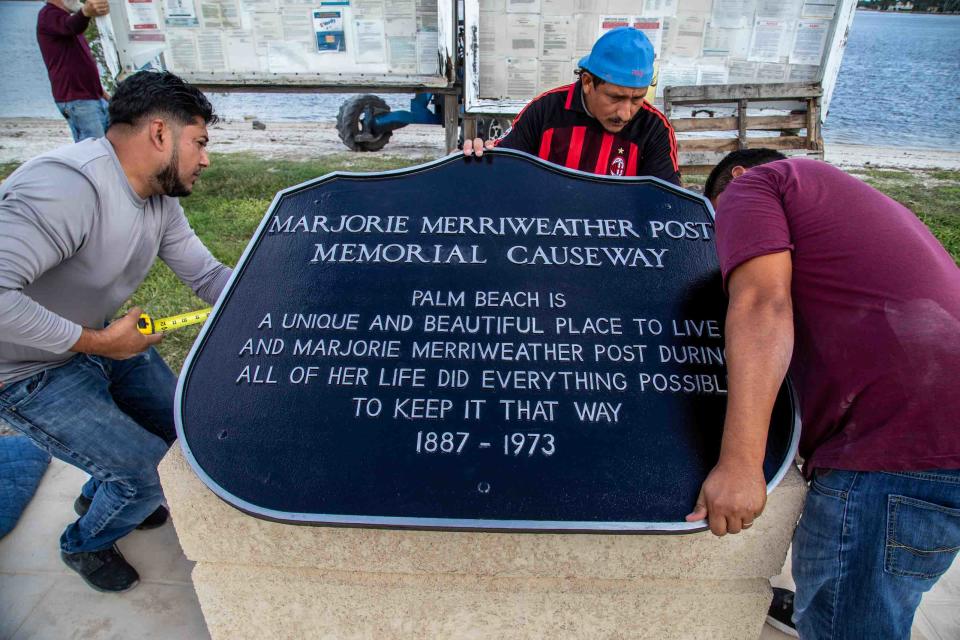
105, 570
781, 611
156, 519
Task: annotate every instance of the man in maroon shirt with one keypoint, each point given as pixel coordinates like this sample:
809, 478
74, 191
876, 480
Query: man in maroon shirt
847, 288
74, 77
602, 123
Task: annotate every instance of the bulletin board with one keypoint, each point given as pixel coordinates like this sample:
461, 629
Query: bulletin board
378, 43
517, 49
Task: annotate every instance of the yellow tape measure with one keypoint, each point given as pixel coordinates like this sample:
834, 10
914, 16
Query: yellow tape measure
148, 325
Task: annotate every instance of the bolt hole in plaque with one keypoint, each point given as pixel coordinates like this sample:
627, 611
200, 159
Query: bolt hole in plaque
500, 344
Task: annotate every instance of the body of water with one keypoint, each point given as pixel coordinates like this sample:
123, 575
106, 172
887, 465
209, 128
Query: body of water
899, 84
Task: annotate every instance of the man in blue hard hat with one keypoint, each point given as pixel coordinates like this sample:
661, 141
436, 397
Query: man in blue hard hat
601, 123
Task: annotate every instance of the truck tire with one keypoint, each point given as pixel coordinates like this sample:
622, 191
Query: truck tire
488, 128
352, 123
492, 127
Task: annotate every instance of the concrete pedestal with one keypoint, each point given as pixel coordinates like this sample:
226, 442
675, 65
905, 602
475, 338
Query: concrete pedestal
257, 579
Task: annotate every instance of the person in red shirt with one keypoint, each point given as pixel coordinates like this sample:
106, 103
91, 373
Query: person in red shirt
849, 290
602, 123
74, 77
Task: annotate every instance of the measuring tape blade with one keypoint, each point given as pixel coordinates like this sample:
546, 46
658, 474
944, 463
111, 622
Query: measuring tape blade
147, 325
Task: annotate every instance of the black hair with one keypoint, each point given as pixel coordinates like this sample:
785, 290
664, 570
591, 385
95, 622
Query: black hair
721, 175
147, 93
597, 80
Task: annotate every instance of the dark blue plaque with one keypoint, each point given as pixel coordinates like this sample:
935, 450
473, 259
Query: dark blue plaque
498, 344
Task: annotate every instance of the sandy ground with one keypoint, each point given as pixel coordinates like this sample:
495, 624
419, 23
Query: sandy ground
23, 138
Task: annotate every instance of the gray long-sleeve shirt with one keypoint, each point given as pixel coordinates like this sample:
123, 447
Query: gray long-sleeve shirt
75, 242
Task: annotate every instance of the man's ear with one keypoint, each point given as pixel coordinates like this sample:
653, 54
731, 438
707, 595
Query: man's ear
160, 134
737, 171
586, 82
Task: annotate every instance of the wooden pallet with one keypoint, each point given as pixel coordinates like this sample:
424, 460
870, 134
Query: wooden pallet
798, 102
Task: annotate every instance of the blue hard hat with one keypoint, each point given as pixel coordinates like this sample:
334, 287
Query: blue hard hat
622, 56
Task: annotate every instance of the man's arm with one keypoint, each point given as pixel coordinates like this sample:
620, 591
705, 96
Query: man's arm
189, 258
59, 23
26, 322
44, 225
119, 341
759, 344
659, 154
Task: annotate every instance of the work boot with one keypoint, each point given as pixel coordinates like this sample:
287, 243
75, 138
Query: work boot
781, 612
156, 519
104, 570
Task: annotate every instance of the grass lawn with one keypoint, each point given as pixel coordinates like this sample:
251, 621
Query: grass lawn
233, 195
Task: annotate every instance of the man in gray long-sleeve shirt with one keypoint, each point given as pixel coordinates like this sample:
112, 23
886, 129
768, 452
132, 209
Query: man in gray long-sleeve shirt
80, 228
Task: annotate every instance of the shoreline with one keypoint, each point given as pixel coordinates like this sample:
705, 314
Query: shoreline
909, 13
23, 138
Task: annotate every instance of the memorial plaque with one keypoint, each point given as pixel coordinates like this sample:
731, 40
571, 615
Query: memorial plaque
494, 344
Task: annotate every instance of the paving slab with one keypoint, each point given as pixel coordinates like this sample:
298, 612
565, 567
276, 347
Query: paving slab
152, 611
20, 594
41, 598
34, 544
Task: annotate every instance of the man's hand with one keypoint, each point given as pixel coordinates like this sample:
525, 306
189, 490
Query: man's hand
94, 8
476, 146
731, 497
119, 341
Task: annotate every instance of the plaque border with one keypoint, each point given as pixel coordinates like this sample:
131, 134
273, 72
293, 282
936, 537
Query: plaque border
446, 524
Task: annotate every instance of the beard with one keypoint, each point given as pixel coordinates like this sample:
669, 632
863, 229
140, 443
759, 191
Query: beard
169, 179
73, 5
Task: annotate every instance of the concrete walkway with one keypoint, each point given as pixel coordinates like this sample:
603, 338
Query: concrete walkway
40, 598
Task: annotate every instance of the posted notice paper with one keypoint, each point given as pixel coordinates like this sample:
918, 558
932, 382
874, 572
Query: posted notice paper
328, 27
142, 15
180, 13
767, 41
809, 41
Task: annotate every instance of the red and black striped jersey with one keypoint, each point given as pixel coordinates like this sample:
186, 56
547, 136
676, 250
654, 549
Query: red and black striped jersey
556, 127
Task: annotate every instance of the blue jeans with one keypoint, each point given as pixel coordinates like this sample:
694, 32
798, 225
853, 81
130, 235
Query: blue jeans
111, 418
868, 545
87, 118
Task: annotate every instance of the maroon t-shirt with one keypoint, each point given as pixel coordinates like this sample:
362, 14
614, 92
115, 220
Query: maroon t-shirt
70, 65
876, 302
